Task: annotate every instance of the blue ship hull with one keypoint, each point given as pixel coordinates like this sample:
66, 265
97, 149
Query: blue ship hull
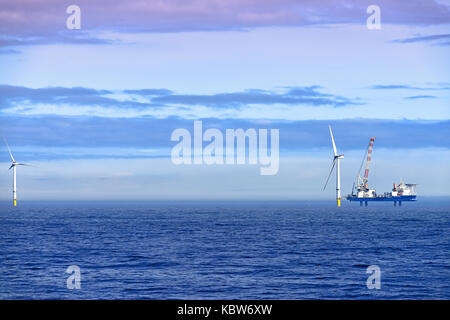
383, 198
396, 199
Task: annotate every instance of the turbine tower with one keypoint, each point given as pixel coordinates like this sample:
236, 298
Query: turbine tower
336, 161
13, 166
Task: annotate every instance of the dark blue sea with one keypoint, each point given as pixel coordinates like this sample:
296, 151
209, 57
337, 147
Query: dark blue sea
226, 250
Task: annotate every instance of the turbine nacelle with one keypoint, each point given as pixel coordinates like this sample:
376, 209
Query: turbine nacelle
18, 164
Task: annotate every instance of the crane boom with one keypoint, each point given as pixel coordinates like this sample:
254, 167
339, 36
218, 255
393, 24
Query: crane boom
369, 157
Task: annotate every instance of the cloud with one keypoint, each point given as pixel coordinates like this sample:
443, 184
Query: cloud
149, 92
150, 137
294, 96
9, 51
15, 94
46, 18
9, 43
438, 39
408, 87
29, 99
392, 86
420, 97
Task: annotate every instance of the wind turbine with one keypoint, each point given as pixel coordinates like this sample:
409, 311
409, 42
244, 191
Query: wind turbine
336, 161
13, 166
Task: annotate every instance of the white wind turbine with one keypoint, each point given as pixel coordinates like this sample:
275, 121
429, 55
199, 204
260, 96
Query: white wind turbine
13, 166
336, 161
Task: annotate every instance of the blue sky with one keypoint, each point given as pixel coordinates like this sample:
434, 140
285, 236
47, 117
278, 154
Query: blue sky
94, 108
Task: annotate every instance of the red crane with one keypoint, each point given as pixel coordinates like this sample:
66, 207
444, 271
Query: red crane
362, 184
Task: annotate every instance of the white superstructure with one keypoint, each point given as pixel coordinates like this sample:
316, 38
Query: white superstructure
403, 189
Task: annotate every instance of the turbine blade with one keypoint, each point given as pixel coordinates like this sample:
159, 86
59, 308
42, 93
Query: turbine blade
11, 166
329, 175
332, 140
9, 150
25, 164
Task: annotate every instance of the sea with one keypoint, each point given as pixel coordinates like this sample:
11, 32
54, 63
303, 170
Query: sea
225, 250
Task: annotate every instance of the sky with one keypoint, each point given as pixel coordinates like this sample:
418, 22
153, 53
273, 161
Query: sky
94, 108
